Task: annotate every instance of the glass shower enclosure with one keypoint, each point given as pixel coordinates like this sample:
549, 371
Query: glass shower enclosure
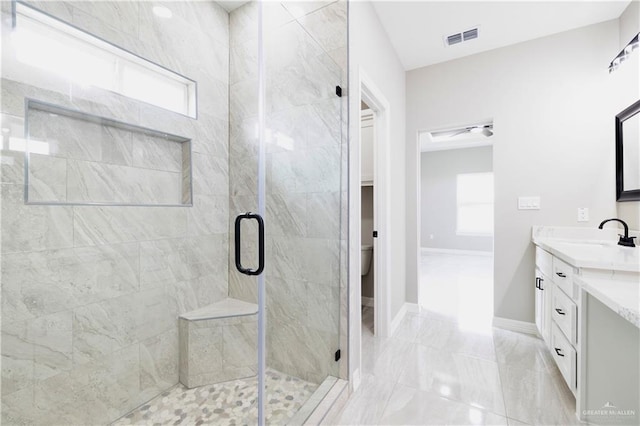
173, 205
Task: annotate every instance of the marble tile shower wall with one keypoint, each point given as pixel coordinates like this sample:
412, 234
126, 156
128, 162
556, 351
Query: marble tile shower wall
305, 54
90, 295
99, 163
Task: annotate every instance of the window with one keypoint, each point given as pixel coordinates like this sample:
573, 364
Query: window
475, 204
45, 42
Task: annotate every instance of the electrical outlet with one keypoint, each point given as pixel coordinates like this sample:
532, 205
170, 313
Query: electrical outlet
431, 236
583, 214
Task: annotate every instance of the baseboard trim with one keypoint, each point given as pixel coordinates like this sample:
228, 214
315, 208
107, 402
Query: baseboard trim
515, 325
414, 308
367, 301
456, 251
406, 307
355, 383
397, 319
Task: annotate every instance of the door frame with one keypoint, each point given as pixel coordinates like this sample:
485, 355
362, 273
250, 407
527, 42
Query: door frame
367, 90
418, 211
370, 94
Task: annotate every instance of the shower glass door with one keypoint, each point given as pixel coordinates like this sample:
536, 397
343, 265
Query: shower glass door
303, 197
298, 150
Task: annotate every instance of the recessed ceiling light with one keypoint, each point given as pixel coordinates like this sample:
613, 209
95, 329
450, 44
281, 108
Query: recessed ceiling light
162, 12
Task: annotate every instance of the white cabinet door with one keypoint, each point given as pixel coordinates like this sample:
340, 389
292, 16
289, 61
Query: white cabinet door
565, 356
543, 287
540, 304
565, 314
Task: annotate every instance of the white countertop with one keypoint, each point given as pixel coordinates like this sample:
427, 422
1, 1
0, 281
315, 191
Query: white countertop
601, 254
616, 283
621, 296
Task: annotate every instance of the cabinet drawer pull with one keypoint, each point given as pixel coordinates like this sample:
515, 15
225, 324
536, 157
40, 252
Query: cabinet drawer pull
561, 275
560, 312
559, 351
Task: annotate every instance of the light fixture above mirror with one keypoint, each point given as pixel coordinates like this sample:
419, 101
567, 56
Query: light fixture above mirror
624, 53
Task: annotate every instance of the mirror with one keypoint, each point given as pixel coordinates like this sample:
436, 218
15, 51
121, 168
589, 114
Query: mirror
628, 154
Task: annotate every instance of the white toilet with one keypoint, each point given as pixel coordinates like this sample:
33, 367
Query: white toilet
366, 253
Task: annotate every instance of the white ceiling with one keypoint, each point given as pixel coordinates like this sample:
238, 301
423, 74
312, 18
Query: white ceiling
417, 28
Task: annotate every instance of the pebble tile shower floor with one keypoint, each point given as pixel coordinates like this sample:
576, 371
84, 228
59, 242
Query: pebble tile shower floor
229, 403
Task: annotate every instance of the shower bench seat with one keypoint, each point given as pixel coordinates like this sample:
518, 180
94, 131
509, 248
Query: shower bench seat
218, 343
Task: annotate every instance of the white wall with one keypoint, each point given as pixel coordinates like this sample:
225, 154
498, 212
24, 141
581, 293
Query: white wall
438, 197
553, 103
371, 51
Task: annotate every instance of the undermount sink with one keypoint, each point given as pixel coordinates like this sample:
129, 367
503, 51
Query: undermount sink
589, 243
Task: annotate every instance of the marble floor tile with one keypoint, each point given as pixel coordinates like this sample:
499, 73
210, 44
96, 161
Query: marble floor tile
448, 365
385, 358
460, 377
366, 405
412, 406
459, 287
453, 337
525, 351
514, 422
367, 322
409, 327
537, 397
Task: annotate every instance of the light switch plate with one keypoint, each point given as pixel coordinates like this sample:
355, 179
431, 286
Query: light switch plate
583, 214
529, 203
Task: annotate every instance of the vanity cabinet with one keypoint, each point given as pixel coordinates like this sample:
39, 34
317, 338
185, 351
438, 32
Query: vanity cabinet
564, 312
587, 311
557, 313
543, 286
563, 277
565, 356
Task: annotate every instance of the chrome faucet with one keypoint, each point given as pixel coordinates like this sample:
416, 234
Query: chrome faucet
625, 240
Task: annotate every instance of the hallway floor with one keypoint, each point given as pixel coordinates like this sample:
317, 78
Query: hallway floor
440, 367
458, 286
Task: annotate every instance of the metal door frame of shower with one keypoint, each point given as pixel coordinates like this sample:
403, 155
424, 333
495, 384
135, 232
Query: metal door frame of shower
261, 212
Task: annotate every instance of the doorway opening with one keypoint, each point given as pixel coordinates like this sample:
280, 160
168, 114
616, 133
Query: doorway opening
367, 219
456, 223
369, 94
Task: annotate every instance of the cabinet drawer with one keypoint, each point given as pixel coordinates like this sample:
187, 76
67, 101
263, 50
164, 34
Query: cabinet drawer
563, 276
544, 261
565, 314
565, 356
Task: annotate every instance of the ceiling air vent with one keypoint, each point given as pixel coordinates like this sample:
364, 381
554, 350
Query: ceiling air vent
454, 39
470, 34
461, 37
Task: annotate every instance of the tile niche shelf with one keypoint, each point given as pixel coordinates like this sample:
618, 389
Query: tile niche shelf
76, 158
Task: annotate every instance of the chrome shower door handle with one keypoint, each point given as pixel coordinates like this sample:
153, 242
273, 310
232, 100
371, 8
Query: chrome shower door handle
238, 248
